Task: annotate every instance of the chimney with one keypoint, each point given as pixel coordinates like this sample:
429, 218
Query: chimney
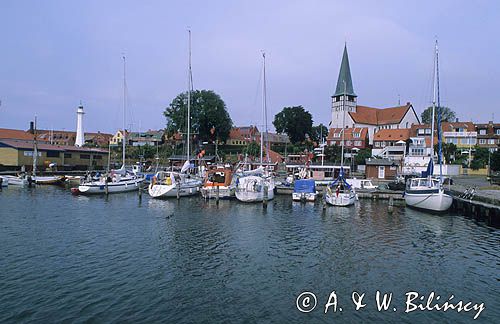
32, 128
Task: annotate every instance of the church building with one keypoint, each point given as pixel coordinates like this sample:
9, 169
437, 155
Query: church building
374, 119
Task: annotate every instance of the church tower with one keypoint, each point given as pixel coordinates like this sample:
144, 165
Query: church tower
344, 96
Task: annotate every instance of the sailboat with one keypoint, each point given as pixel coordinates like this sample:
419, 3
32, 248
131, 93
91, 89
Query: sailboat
427, 192
340, 192
178, 184
41, 180
118, 180
257, 185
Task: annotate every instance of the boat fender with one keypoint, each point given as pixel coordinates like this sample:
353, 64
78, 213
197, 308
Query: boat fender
153, 181
168, 181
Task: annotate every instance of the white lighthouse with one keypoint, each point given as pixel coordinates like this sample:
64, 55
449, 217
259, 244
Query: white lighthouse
79, 141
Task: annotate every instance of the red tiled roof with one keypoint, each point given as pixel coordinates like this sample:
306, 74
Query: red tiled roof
275, 156
348, 134
6, 133
379, 116
392, 135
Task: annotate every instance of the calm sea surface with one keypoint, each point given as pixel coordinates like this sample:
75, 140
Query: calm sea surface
74, 258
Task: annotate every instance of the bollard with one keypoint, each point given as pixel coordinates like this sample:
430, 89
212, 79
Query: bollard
265, 196
140, 190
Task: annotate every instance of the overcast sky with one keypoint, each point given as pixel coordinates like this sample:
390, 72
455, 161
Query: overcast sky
56, 53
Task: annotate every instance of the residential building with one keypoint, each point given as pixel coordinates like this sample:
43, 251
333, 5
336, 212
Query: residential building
97, 139
488, 136
391, 143
150, 137
462, 134
345, 99
117, 138
243, 135
353, 137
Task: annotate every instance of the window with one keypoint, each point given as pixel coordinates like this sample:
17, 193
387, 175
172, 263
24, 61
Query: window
30, 153
482, 132
67, 155
98, 157
377, 144
497, 131
348, 143
356, 134
482, 141
85, 156
52, 154
491, 141
357, 143
427, 131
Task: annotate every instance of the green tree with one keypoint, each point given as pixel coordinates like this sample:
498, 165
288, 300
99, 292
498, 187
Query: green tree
480, 158
362, 155
495, 161
447, 115
333, 153
253, 149
318, 133
449, 151
209, 116
296, 122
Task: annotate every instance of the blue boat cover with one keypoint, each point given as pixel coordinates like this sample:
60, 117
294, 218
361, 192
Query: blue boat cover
304, 186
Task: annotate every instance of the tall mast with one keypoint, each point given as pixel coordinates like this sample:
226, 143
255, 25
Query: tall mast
124, 137
189, 99
35, 149
343, 125
263, 108
439, 130
434, 94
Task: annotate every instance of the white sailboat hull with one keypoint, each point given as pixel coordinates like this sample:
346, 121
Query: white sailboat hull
254, 196
113, 187
16, 181
341, 199
433, 200
171, 191
48, 180
211, 192
304, 196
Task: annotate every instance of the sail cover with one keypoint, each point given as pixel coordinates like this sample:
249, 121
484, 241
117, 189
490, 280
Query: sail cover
187, 165
430, 169
340, 179
304, 186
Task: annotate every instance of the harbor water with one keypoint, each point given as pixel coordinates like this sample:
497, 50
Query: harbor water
124, 259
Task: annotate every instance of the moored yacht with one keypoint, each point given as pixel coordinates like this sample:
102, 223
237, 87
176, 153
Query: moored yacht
218, 183
167, 184
428, 192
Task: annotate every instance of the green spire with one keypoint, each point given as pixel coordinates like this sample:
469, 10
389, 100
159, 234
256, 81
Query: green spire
344, 75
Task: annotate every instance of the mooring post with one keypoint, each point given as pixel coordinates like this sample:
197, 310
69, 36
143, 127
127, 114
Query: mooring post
217, 195
106, 189
391, 205
140, 190
264, 200
178, 186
